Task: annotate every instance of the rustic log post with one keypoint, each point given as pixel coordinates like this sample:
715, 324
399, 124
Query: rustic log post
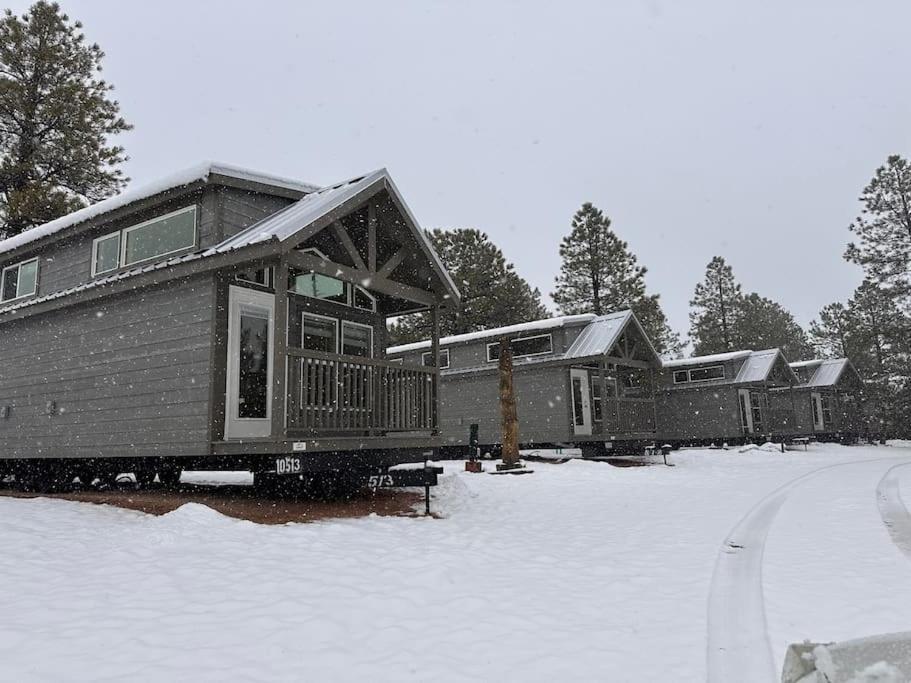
509, 419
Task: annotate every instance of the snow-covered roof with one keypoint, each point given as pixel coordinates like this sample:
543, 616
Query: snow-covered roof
278, 227
600, 335
508, 330
199, 172
827, 371
757, 366
701, 360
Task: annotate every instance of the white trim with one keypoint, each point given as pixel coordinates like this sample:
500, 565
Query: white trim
745, 407
549, 335
239, 300
358, 288
441, 366
338, 331
342, 338
95, 242
18, 275
584, 429
126, 231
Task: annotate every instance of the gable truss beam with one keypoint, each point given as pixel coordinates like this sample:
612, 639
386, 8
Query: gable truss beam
394, 262
373, 281
345, 239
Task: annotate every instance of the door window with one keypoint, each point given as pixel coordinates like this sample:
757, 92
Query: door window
578, 414
756, 401
253, 375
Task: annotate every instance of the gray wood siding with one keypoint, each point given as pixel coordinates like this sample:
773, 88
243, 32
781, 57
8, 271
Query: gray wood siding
127, 376
221, 212
541, 403
699, 413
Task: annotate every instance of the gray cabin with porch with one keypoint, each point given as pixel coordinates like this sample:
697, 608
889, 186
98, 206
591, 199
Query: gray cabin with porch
217, 319
828, 401
585, 380
725, 397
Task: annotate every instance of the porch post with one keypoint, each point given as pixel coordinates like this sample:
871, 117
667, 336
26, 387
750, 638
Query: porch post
602, 380
435, 364
280, 360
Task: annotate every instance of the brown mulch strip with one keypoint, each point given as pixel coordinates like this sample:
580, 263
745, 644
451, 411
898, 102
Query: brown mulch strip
241, 502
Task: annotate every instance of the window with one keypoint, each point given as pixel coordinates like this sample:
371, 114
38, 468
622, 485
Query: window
318, 286
19, 281
757, 403
253, 382
106, 254
699, 374
160, 236
444, 359
357, 339
523, 346
319, 333
826, 410
363, 299
261, 276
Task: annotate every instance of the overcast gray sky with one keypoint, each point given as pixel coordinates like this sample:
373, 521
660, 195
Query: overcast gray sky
701, 128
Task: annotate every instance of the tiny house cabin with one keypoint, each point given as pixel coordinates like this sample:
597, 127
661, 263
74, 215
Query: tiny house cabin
827, 401
725, 398
219, 318
585, 380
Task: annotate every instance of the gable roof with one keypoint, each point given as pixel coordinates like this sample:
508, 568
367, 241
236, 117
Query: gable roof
283, 226
827, 371
600, 335
508, 330
756, 367
187, 176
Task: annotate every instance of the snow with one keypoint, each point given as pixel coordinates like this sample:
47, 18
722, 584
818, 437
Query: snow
534, 326
184, 177
713, 358
580, 571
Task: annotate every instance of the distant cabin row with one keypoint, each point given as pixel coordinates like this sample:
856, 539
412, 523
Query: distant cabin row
597, 382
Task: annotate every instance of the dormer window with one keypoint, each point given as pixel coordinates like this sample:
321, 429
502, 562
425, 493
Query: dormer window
707, 374
538, 345
19, 280
161, 236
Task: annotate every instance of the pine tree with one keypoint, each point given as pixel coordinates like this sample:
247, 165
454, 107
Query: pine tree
55, 118
829, 335
764, 324
599, 274
716, 302
492, 293
884, 230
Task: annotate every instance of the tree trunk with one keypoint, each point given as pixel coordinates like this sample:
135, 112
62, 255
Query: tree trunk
509, 419
724, 316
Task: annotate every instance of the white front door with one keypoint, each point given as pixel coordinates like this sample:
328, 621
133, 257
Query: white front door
746, 411
818, 422
581, 400
248, 404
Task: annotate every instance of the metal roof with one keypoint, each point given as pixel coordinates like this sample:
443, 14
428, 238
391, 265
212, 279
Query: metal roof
827, 371
199, 172
600, 335
713, 358
534, 326
280, 226
757, 366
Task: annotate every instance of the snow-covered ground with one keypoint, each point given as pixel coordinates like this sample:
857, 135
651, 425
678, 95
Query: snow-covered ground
580, 571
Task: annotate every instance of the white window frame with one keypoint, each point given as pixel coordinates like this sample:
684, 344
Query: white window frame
269, 273
126, 231
370, 296
425, 359
689, 376
338, 329
19, 275
110, 235
342, 336
549, 335
686, 377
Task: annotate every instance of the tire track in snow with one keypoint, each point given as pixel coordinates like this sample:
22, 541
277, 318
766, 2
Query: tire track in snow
739, 648
892, 509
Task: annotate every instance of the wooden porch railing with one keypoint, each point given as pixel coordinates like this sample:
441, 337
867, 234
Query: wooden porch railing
333, 393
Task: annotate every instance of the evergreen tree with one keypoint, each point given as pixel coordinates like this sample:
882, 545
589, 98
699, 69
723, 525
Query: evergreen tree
599, 274
764, 324
829, 335
492, 293
55, 118
884, 230
716, 302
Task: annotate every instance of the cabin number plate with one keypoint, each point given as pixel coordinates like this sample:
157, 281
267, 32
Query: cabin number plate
288, 465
